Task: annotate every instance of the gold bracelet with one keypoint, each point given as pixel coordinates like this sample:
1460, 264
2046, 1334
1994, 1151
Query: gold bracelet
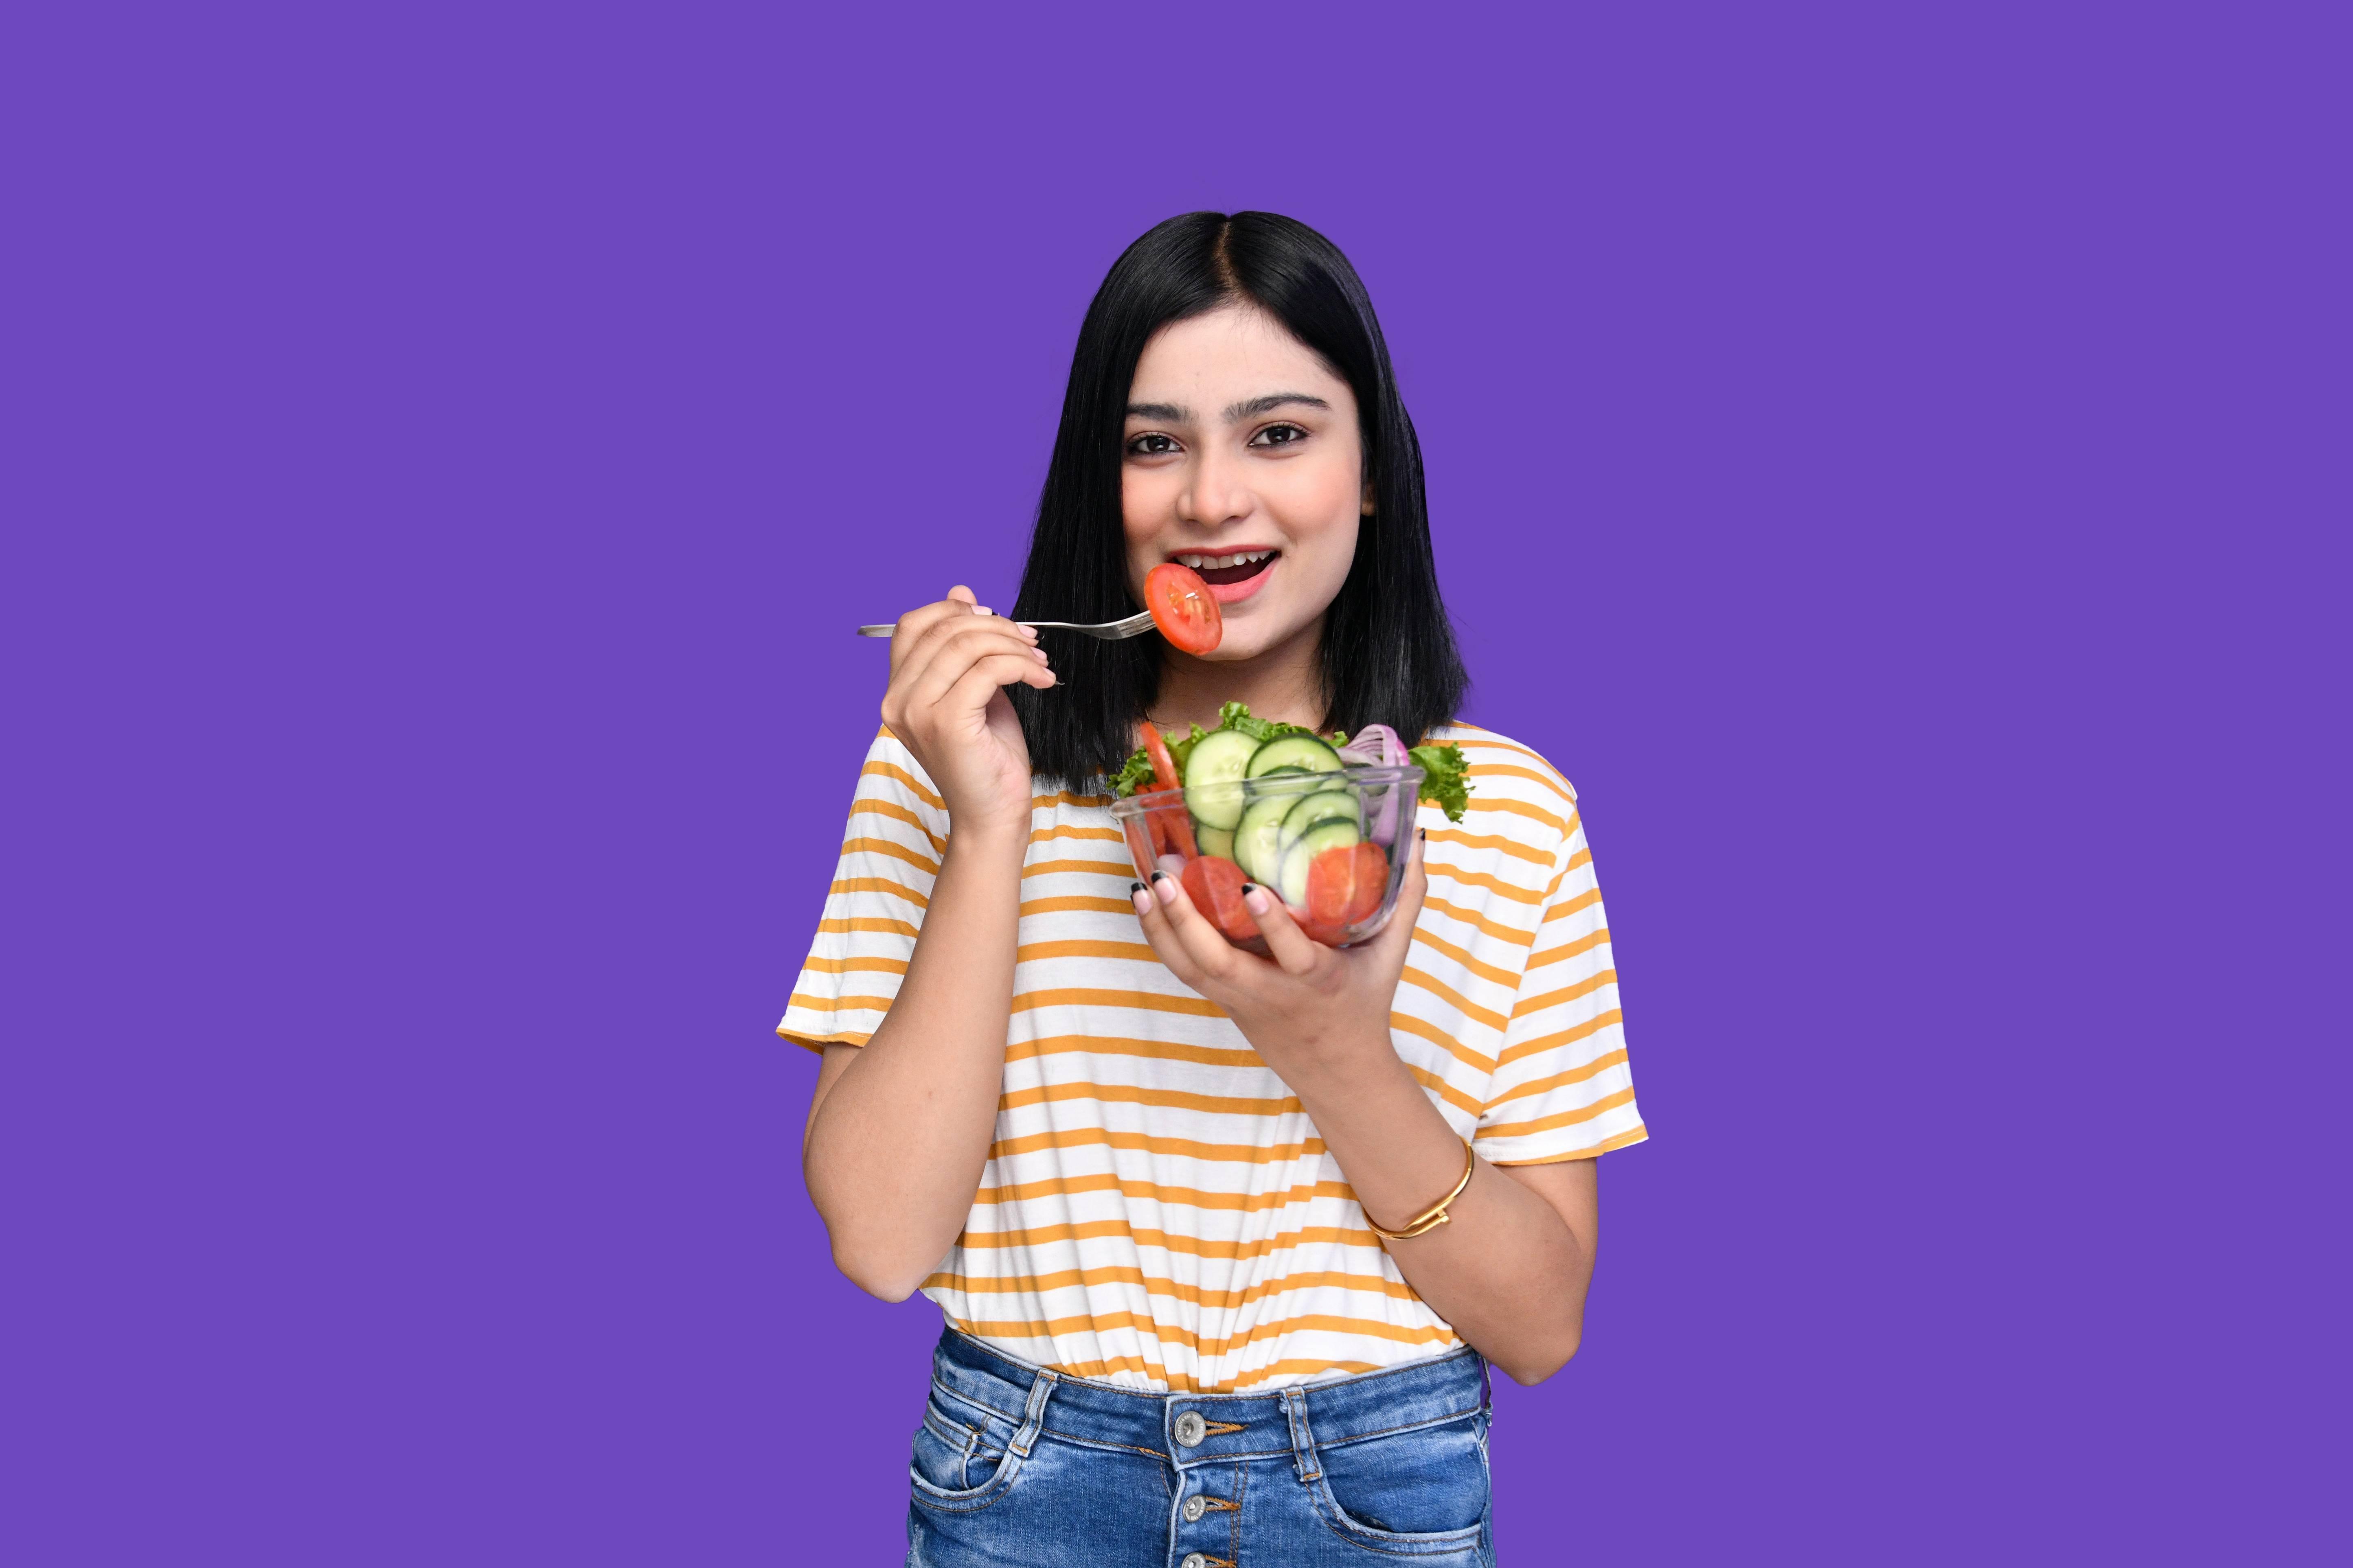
1435, 1216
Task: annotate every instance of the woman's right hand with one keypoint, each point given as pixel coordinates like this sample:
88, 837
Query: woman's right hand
950, 663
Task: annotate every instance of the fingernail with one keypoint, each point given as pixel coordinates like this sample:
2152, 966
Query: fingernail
1256, 899
1135, 888
1027, 630
1040, 654
1421, 833
1165, 885
982, 610
1141, 900
1160, 876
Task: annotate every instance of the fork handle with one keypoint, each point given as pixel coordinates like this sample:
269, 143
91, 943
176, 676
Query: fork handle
884, 631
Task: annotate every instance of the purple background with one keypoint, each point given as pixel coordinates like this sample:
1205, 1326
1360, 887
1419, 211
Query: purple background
1882, 460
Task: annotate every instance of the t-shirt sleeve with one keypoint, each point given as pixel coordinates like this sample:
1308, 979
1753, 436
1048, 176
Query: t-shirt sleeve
1561, 1089
890, 854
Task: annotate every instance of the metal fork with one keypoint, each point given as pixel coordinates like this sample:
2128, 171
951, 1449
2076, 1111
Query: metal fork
1110, 631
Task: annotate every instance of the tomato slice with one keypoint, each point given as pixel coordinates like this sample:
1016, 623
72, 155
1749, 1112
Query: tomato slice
1372, 883
1164, 766
1179, 825
1214, 886
1173, 829
1335, 885
1170, 827
1140, 845
1183, 607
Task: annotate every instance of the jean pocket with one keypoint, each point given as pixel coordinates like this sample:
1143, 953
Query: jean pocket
959, 1453
1426, 1489
942, 1451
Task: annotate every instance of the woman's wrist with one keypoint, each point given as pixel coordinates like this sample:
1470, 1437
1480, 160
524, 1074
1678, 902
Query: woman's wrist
988, 839
1339, 1054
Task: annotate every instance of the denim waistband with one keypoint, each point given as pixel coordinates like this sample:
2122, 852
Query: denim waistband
1295, 1420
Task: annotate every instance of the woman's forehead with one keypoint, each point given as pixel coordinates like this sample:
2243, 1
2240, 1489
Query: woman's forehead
1234, 350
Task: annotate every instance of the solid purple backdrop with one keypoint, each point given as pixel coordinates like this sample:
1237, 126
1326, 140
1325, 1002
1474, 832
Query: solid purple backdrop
1879, 459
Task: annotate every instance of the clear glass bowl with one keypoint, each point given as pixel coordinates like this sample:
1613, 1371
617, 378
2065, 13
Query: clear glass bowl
1331, 846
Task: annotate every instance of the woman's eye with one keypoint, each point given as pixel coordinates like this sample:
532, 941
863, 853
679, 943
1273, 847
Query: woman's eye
1150, 446
1279, 436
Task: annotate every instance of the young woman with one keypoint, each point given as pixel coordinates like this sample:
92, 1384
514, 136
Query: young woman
1150, 1177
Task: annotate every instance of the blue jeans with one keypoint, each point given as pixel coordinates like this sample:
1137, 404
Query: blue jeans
1017, 1466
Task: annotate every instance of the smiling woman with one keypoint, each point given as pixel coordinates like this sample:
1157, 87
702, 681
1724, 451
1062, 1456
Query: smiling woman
1225, 1243
1231, 396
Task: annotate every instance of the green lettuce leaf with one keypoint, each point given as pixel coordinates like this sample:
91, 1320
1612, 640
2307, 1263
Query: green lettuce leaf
1180, 748
1235, 716
1135, 773
1445, 778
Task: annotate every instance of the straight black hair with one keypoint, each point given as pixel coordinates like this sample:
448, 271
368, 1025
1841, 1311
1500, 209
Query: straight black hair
1387, 653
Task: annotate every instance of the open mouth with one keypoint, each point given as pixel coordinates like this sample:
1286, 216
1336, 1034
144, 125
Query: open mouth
1240, 566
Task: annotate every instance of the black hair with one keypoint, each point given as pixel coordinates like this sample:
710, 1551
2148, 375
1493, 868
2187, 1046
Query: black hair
1387, 653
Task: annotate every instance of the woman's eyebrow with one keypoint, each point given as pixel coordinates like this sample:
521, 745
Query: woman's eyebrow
1273, 400
1167, 412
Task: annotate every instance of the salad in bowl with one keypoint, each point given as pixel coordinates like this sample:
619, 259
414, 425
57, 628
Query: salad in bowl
1323, 822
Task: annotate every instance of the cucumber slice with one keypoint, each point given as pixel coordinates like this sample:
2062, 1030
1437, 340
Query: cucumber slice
1258, 842
1325, 805
1213, 775
1214, 840
1291, 883
1293, 752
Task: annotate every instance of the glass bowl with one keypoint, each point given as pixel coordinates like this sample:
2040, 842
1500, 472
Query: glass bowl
1332, 846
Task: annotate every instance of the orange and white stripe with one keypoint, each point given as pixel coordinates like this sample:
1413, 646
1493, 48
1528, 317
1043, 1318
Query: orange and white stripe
1158, 1209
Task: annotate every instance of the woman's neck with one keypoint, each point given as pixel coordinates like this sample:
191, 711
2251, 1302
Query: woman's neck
1282, 683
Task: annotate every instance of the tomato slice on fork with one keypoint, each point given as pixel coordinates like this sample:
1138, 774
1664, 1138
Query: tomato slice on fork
1183, 607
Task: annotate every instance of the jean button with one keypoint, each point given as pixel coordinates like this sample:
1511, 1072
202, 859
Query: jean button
1195, 1508
1191, 1429
1194, 1560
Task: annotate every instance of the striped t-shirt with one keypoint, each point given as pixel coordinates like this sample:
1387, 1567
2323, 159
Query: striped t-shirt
1158, 1210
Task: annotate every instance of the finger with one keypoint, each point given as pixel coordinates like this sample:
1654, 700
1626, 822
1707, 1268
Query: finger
941, 666
948, 656
917, 629
909, 635
917, 689
911, 626
1298, 952
1163, 938
972, 693
1204, 943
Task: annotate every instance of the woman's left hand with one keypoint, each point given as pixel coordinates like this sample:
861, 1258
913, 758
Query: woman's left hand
1306, 1007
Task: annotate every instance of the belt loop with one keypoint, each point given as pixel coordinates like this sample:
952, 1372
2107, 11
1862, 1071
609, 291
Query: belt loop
1303, 1437
1034, 1417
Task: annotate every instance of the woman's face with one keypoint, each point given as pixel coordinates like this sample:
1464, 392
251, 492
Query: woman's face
1241, 459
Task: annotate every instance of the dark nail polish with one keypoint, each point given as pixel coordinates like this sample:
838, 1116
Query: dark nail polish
1422, 834
1248, 887
1160, 876
1135, 888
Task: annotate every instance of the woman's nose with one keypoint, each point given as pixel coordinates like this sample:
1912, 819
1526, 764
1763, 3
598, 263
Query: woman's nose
1217, 493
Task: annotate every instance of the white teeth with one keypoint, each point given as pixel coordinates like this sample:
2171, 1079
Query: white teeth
1201, 563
